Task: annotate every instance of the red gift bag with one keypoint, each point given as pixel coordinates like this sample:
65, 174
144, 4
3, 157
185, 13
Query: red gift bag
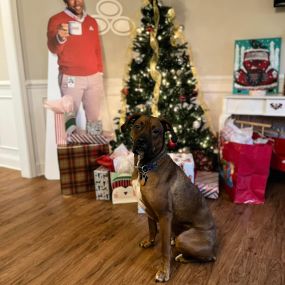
278, 155
245, 170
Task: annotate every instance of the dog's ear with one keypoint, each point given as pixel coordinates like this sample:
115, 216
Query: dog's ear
130, 121
168, 128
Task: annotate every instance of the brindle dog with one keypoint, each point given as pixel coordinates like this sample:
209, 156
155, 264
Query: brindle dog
171, 199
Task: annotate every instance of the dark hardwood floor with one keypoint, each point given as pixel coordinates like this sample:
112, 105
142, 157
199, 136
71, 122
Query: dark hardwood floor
46, 238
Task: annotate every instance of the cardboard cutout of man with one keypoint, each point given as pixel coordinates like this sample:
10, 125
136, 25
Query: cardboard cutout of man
73, 36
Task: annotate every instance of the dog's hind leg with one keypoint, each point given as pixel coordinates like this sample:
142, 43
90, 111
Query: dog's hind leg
152, 226
196, 244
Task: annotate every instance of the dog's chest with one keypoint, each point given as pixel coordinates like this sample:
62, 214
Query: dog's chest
154, 198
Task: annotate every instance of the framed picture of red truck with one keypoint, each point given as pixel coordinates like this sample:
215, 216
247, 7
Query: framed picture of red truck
256, 65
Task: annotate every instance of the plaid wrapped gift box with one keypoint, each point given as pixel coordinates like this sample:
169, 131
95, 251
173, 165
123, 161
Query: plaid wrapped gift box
76, 166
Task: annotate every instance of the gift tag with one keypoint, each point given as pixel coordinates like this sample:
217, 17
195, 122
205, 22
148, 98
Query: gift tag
70, 81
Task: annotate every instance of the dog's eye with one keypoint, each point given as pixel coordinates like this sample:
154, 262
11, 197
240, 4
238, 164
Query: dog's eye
137, 127
156, 131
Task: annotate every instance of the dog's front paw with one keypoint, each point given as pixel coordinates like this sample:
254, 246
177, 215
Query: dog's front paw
162, 276
147, 243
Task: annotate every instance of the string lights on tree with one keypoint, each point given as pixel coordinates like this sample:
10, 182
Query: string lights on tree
161, 82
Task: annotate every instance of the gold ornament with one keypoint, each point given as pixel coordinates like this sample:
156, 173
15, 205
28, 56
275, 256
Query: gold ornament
170, 14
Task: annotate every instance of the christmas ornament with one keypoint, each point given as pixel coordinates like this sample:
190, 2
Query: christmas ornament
182, 98
186, 150
125, 91
150, 29
171, 144
139, 60
196, 125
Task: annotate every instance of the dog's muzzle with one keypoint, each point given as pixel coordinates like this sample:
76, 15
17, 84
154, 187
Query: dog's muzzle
140, 146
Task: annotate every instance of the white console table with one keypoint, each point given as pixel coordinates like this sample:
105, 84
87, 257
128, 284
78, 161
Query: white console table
273, 106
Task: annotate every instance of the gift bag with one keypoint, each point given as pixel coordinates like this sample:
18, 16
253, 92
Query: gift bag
278, 155
245, 169
102, 183
122, 190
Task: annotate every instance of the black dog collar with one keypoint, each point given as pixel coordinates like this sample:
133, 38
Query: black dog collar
153, 164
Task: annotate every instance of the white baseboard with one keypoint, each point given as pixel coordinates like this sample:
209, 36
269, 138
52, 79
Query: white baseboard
9, 157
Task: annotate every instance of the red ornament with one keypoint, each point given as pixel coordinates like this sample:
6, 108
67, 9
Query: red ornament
150, 29
125, 91
182, 98
171, 144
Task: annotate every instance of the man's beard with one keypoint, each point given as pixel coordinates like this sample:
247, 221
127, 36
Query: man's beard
75, 12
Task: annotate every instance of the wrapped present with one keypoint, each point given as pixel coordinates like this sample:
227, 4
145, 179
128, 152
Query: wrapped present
204, 162
76, 166
94, 128
65, 119
186, 162
208, 183
102, 183
60, 132
122, 190
84, 138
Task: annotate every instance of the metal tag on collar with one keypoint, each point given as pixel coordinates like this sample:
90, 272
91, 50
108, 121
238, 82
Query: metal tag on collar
144, 178
144, 169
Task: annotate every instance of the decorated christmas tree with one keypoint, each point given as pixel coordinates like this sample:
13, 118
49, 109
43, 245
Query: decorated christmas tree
161, 82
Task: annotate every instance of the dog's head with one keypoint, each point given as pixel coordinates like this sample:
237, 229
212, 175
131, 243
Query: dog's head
148, 134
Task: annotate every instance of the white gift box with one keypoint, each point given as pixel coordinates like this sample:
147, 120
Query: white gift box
102, 183
186, 162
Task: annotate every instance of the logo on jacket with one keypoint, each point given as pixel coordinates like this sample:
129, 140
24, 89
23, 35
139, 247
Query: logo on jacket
91, 28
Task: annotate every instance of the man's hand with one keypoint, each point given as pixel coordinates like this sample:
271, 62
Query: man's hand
62, 32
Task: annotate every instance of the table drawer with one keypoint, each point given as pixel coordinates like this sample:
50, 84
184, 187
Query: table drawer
245, 107
275, 107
